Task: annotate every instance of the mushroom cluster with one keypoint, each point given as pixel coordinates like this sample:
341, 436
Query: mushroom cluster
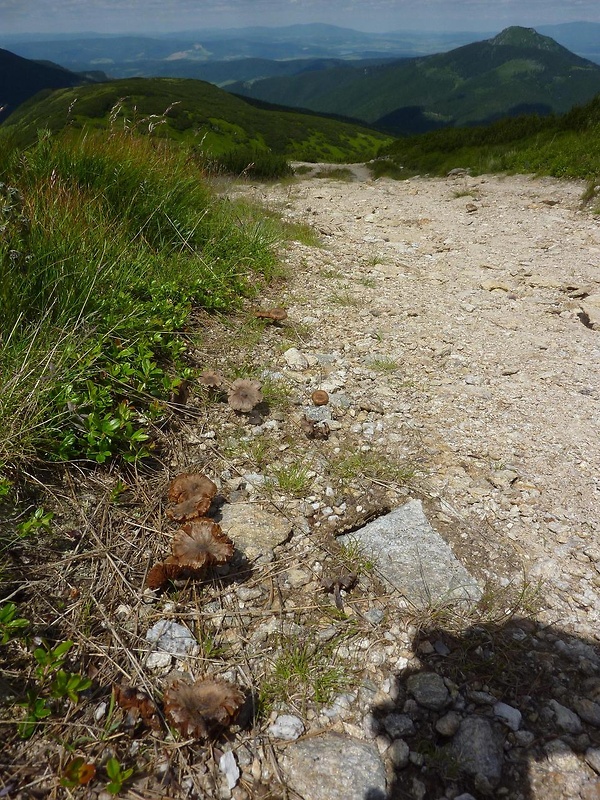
199, 542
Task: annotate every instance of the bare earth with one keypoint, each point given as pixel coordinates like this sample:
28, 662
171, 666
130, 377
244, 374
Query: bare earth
477, 298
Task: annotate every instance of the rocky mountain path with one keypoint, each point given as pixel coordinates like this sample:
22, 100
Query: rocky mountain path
459, 302
453, 323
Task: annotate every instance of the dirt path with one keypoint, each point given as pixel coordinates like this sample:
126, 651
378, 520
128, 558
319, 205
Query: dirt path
471, 287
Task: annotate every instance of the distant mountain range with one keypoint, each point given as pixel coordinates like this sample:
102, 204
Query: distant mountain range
518, 71
21, 78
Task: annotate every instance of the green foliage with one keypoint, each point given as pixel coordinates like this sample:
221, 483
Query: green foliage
563, 146
109, 242
39, 520
51, 682
303, 671
117, 775
11, 626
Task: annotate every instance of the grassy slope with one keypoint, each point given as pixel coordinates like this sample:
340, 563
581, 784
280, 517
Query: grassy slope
563, 146
200, 114
109, 242
466, 85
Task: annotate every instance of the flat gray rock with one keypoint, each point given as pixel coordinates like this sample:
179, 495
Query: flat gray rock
173, 638
334, 767
253, 531
413, 557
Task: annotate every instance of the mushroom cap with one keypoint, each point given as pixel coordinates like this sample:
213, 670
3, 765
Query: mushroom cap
191, 485
320, 397
200, 708
276, 314
200, 543
190, 509
211, 378
244, 395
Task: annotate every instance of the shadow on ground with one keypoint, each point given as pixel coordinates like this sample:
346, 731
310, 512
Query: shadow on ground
507, 711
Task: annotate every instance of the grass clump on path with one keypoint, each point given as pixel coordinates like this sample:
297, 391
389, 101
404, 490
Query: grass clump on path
109, 242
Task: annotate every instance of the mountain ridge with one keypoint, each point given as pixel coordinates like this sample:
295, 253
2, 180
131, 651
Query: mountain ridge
465, 86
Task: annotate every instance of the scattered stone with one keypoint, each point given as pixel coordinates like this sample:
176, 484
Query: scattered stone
492, 285
429, 690
590, 309
448, 724
587, 710
413, 557
334, 767
398, 725
592, 756
254, 531
295, 359
509, 715
399, 753
479, 749
566, 719
287, 727
229, 768
173, 638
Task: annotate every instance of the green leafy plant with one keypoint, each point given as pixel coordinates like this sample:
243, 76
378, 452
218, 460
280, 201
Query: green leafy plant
11, 626
39, 520
117, 775
52, 683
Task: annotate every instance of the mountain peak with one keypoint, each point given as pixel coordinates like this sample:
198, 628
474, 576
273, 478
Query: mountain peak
515, 36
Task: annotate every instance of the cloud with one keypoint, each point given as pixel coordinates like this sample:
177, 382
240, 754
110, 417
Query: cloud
146, 15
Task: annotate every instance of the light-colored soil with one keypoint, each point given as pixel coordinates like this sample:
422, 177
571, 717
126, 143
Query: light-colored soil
472, 286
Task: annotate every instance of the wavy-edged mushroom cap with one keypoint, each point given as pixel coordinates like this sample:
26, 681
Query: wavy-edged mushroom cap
244, 395
190, 485
211, 378
201, 708
189, 509
201, 543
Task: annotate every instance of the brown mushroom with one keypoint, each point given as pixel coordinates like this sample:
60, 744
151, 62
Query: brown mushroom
201, 543
138, 704
273, 314
202, 708
315, 430
192, 495
211, 378
334, 585
320, 397
189, 485
244, 395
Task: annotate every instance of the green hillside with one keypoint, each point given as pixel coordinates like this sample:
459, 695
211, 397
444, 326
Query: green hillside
517, 71
195, 113
566, 146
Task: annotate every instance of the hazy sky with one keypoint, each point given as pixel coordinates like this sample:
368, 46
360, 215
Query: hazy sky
113, 16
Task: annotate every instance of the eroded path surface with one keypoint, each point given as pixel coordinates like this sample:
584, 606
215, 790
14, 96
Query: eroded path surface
472, 288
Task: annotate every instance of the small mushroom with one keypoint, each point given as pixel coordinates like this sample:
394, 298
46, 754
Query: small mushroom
244, 395
211, 378
192, 495
334, 585
320, 397
314, 430
273, 314
138, 704
202, 708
